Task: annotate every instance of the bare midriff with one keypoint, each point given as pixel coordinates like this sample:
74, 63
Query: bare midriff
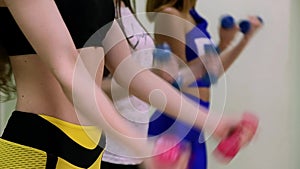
39, 92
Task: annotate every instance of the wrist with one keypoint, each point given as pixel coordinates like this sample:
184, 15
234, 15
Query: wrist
222, 46
244, 41
202, 119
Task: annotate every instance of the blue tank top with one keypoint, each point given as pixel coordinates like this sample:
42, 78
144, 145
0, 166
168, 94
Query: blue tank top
195, 41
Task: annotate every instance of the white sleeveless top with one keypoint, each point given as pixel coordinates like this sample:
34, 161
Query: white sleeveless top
135, 110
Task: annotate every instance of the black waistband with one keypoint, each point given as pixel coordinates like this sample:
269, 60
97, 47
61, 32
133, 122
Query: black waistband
34, 131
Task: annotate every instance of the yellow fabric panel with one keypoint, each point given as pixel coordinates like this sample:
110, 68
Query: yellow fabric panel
86, 136
63, 164
16, 156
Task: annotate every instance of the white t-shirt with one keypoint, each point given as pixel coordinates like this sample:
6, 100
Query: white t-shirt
130, 107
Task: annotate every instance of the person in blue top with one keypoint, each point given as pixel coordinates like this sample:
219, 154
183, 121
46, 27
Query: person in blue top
178, 24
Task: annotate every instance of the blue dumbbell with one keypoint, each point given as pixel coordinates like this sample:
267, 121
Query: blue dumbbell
227, 22
162, 53
245, 25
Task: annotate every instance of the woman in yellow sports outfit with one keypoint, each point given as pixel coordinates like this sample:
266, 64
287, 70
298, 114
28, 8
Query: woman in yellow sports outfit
58, 69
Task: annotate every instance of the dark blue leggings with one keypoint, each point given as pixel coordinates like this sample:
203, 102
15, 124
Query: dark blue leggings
161, 123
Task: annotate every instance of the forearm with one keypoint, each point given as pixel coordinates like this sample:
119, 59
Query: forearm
106, 86
152, 89
223, 46
142, 83
229, 56
122, 131
94, 108
113, 90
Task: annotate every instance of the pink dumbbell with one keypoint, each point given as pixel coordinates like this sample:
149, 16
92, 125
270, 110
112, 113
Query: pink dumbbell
242, 134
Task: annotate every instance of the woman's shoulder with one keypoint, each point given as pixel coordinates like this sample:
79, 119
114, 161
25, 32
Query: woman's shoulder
171, 10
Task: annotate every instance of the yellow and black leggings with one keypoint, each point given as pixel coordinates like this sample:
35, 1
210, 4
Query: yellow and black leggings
43, 142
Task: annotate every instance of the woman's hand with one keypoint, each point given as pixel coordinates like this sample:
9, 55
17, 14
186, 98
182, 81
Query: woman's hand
181, 163
221, 127
255, 25
227, 36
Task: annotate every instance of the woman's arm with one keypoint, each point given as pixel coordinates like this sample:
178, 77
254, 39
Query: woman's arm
170, 28
106, 86
226, 37
154, 90
229, 56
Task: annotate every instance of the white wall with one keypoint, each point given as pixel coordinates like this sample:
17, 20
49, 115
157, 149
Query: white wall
260, 80
295, 80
